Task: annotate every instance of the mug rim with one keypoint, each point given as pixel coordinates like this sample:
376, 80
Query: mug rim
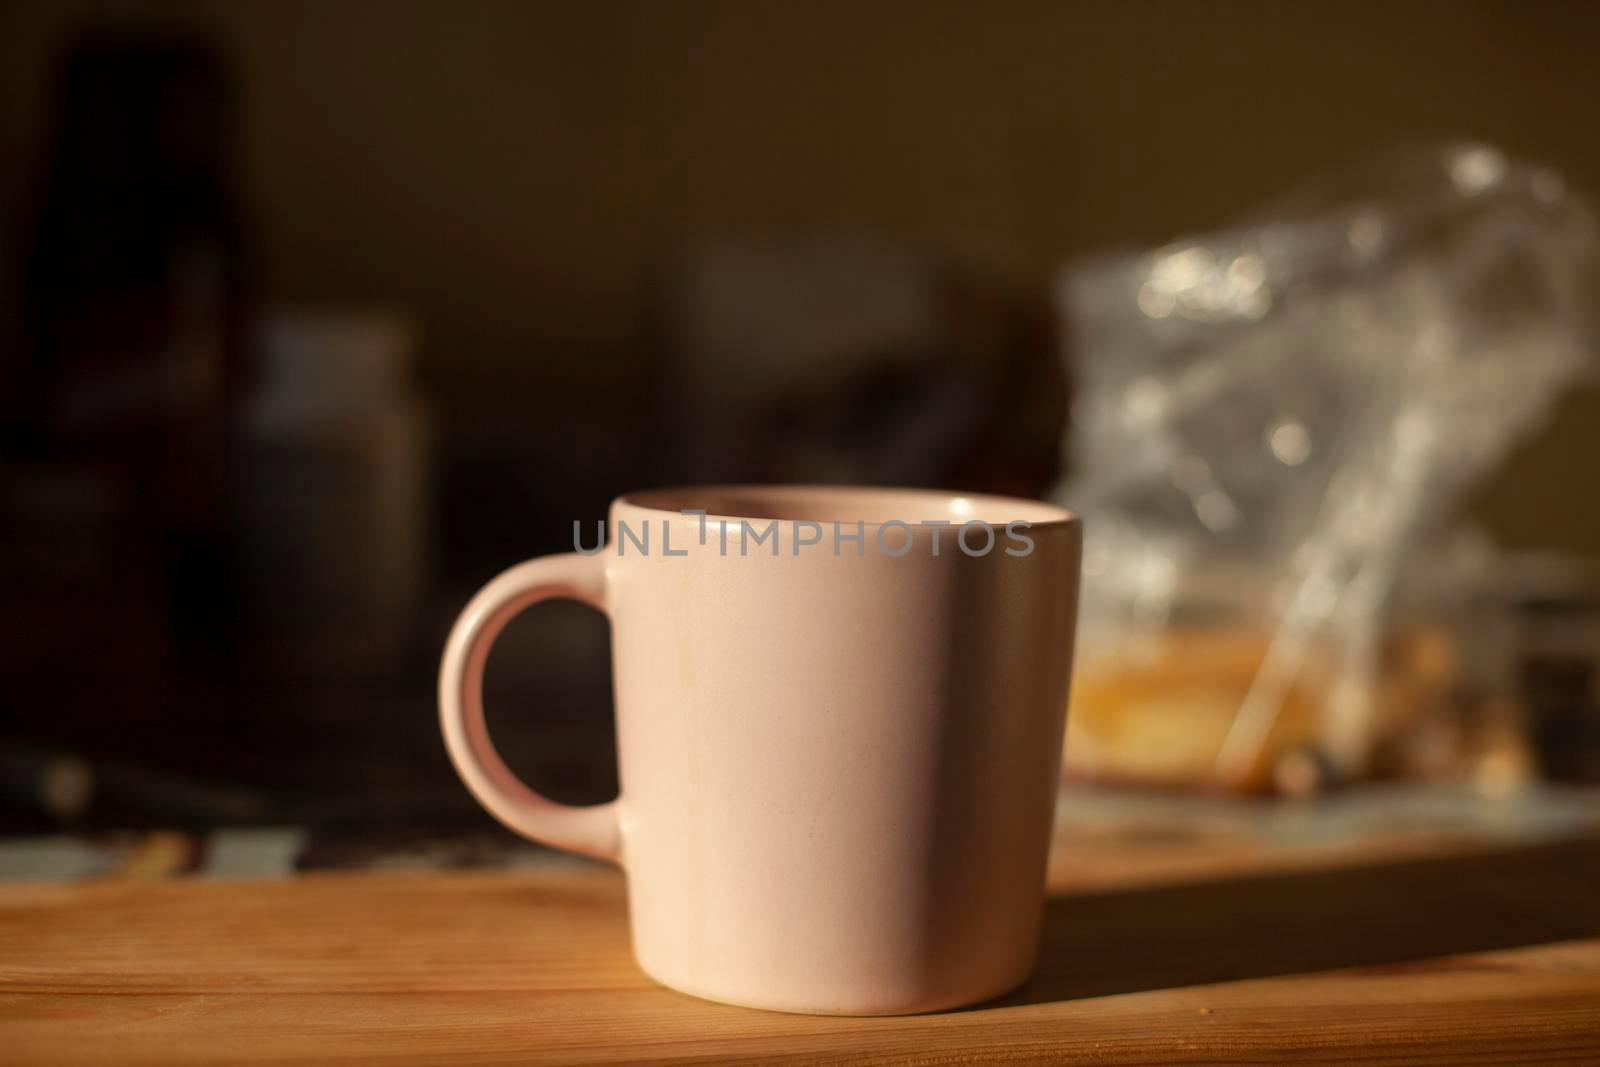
953, 505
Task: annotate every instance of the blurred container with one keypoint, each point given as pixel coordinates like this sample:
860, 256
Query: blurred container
1273, 421
1558, 665
332, 497
846, 361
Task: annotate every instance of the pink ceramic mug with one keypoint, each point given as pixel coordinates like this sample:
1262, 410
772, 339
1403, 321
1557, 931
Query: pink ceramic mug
839, 719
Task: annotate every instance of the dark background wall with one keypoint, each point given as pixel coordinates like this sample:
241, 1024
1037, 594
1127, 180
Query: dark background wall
521, 176
230, 589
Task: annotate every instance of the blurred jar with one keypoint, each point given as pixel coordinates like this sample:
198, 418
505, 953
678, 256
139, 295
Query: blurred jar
1557, 661
332, 497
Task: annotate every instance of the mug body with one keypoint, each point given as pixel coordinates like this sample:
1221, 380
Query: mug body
838, 744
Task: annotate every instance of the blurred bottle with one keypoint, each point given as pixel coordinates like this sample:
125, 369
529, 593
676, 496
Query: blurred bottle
135, 304
136, 300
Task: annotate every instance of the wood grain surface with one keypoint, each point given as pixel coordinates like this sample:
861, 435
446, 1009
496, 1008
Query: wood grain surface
1488, 957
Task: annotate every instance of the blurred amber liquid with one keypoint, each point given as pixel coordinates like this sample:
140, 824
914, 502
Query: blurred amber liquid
1159, 711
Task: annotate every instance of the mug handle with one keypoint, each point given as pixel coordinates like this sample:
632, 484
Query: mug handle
594, 830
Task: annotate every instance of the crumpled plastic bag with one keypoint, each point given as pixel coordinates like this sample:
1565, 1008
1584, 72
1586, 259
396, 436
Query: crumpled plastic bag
1267, 419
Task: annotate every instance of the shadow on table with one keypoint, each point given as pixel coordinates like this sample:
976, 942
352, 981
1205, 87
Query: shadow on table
1102, 943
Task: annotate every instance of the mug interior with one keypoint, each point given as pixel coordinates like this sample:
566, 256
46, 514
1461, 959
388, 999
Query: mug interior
848, 504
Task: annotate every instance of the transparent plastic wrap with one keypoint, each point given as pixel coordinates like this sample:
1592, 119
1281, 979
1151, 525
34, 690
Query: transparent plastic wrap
1269, 418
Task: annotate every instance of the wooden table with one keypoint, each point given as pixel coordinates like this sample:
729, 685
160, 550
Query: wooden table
1437, 956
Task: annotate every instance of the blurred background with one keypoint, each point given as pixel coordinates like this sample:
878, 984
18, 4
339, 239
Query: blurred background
313, 317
